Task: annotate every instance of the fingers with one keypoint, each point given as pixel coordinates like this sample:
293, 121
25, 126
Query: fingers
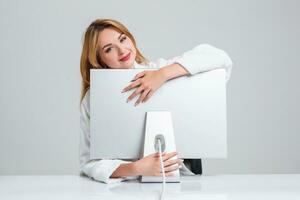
146, 88
172, 168
142, 96
132, 85
170, 165
139, 75
173, 162
136, 92
135, 81
148, 96
169, 155
169, 171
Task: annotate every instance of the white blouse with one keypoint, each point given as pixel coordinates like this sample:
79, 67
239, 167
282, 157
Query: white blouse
202, 58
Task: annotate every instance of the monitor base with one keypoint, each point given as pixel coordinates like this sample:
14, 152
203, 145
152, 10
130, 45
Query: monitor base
160, 123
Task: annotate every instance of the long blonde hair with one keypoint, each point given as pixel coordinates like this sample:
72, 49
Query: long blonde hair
90, 57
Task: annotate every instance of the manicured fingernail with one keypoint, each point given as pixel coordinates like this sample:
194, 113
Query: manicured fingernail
180, 166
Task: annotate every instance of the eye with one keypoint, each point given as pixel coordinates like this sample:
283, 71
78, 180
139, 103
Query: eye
108, 50
122, 39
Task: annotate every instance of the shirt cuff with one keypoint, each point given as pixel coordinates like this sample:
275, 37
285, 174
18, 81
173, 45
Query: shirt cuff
109, 169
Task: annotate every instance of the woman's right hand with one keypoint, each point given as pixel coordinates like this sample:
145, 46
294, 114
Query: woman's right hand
150, 165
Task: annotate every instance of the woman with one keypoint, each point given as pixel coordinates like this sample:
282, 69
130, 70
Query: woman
109, 44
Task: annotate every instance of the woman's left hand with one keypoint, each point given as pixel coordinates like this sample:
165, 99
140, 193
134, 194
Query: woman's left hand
146, 82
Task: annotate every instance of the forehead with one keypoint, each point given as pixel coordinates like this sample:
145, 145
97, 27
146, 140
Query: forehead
108, 35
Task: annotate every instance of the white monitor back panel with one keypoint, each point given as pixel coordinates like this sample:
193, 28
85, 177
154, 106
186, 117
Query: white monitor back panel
197, 104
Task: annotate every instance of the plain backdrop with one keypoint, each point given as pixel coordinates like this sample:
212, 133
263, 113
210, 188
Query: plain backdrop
40, 47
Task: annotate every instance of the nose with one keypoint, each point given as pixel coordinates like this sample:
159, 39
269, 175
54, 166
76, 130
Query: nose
121, 50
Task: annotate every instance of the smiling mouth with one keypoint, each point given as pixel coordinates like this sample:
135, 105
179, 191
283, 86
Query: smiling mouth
125, 58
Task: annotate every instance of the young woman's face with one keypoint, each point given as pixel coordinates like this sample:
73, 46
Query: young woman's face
116, 49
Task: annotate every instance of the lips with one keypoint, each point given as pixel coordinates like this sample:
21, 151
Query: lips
125, 58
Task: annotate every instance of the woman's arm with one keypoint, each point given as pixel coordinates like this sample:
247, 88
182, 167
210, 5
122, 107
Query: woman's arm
127, 169
149, 166
173, 71
202, 58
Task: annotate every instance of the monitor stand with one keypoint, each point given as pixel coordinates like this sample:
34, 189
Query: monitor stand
159, 123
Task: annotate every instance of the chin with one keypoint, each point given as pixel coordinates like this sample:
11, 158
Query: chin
128, 65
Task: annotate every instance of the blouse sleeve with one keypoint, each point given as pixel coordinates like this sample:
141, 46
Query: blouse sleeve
201, 58
99, 170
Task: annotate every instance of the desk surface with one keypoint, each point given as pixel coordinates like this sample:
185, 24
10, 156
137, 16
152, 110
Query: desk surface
217, 187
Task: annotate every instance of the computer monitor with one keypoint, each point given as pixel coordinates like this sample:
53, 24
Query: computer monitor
197, 104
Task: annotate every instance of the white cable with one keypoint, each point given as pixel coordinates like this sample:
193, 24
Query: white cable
163, 171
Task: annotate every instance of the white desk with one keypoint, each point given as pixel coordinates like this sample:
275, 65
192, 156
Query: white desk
218, 187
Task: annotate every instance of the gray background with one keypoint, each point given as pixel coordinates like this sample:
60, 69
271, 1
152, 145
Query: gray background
40, 47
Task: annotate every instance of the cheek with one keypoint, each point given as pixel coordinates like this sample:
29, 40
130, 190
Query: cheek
110, 58
133, 49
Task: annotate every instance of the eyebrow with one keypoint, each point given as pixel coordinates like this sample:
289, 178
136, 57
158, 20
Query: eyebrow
110, 43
